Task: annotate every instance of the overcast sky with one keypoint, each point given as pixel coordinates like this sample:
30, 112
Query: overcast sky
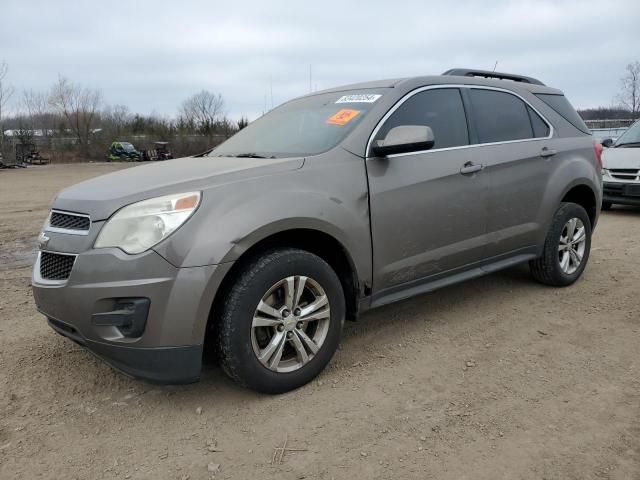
150, 55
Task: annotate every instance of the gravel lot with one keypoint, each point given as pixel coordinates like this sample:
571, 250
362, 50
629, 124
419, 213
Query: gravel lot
498, 378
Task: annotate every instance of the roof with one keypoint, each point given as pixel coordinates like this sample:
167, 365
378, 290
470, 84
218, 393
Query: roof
461, 76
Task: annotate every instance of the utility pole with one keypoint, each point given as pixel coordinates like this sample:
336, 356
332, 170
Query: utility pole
271, 88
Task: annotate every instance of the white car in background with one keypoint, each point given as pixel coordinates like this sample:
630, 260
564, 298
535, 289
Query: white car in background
621, 172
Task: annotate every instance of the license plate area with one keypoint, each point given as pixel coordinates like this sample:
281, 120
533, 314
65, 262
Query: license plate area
632, 190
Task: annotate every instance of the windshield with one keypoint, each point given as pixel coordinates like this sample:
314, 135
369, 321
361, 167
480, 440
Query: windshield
127, 146
305, 126
630, 137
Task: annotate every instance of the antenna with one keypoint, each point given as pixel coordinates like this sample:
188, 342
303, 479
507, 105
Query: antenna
310, 79
495, 66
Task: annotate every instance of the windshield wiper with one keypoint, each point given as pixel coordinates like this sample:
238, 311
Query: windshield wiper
251, 155
628, 143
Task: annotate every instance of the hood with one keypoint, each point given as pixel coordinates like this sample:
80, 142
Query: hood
621, 158
101, 196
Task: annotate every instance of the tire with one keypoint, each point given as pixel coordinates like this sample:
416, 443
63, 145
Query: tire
548, 269
240, 342
606, 205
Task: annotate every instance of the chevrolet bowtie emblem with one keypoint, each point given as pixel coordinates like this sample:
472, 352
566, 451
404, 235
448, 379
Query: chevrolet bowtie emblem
43, 240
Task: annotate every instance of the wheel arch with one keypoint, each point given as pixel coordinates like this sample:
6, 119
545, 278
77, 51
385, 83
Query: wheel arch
315, 241
583, 195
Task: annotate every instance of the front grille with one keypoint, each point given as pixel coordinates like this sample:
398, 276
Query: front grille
625, 173
56, 266
69, 221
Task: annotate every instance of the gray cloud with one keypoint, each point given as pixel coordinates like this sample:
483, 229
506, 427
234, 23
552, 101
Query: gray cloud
150, 55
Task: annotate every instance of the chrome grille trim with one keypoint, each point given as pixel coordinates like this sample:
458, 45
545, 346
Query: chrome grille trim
37, 271
69, 223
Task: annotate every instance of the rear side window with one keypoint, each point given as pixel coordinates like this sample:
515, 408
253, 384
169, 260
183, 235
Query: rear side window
563, 108
500, 116
441, 109
540, 127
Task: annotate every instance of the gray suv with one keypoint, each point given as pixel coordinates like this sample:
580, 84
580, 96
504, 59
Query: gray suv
327, 206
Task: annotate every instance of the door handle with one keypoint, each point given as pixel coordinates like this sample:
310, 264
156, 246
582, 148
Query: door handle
471, 167
546, 152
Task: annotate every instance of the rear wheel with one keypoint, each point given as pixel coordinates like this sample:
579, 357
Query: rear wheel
566, 248
281, 321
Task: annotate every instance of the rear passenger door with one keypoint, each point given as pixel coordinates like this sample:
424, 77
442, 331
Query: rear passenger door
513, 143
427, 208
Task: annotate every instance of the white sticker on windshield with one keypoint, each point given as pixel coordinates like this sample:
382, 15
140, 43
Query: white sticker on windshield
358, 98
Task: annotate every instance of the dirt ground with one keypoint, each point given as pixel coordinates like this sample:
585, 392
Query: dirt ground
498, 378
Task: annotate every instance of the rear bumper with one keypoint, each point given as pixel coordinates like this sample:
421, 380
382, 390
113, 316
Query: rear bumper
165, 365
621, 193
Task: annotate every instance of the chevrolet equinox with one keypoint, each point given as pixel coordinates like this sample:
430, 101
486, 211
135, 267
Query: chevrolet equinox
327, 206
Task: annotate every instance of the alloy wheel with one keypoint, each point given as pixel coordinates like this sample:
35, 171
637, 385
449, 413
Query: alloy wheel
290, 324
573, 241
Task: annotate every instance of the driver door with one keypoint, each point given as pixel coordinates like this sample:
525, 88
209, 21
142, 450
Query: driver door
428, 208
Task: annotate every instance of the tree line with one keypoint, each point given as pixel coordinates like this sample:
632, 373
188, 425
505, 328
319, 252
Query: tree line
72, 111
79, 115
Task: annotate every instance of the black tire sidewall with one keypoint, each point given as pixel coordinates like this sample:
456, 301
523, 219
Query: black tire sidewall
239, 359
562, 216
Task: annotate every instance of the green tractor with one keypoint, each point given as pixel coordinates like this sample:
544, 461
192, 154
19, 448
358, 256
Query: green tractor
123, 152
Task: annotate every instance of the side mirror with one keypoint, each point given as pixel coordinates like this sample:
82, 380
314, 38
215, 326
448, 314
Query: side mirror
404, 139
607, 142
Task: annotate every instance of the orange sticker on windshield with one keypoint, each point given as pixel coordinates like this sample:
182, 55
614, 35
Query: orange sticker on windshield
342, 117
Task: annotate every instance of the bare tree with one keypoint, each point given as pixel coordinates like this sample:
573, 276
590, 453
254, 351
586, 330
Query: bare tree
117, 119
629, 95
6, 91
205, 110
79, 106
37, 110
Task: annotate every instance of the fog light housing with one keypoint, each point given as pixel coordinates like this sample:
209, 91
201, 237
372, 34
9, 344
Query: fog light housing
129, 316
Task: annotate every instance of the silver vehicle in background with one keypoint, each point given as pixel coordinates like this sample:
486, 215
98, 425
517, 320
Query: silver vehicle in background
329, 205
601, 134
621, 172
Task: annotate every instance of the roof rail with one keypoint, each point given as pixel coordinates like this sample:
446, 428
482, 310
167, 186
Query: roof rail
466, 72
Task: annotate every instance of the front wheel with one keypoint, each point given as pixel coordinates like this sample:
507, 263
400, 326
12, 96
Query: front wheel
606, 205
281, 321
566, 248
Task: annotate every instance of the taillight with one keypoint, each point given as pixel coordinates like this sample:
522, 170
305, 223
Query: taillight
598, 148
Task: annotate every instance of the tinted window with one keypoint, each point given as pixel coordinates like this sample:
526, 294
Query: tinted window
499, 116
540, 127
562, 106
440, 109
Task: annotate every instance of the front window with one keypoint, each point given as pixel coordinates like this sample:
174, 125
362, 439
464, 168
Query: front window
630, 138
440, 109
302, 127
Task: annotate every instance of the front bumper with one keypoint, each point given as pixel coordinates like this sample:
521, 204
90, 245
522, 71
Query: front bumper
621, 193
168, 348
166, 365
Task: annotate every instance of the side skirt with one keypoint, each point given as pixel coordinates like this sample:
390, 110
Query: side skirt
417, 287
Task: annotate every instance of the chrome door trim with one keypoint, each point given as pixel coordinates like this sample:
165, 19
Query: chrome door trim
458, 86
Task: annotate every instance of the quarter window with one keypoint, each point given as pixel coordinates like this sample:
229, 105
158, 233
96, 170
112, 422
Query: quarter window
441, 109
540, 127
500, 116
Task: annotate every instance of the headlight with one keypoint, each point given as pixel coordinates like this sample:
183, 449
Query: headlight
605, 172
139, 226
